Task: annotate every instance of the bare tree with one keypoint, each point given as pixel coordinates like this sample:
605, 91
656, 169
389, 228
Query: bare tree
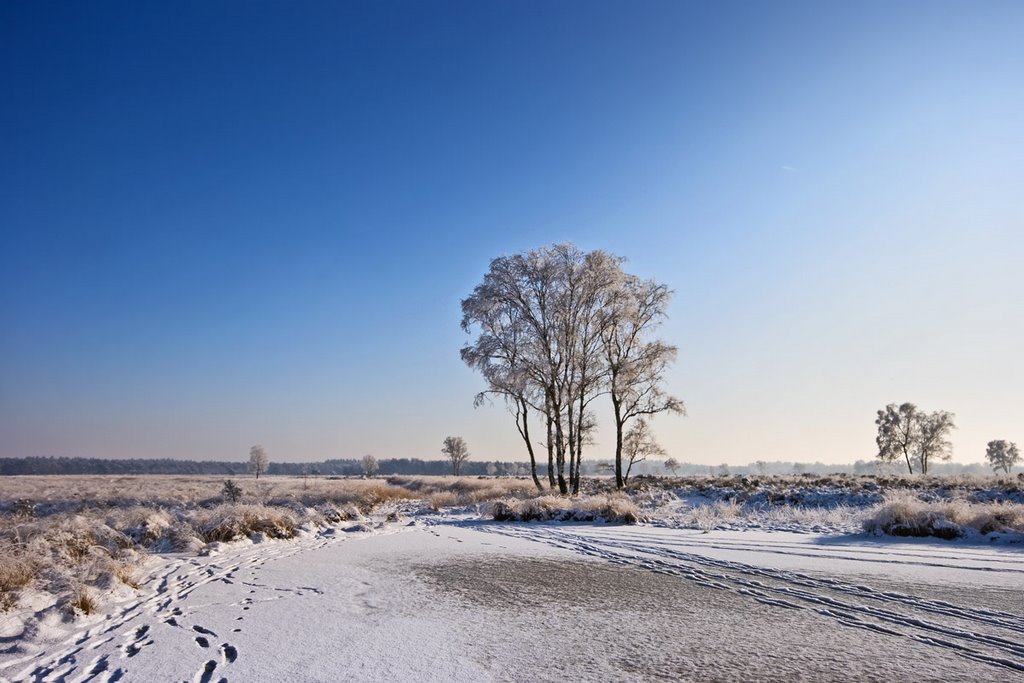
672, 465
258, 460
458, 453
918, 437
1002, 455
544, 319
899, 429
532, 312
369, 465
638, 445
636, 365
510, 309
500, 352
933, 440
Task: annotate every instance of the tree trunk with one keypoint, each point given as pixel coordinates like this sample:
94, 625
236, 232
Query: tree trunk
525, 431
560, 454
617, 405
571, 420
551, 455
579, 449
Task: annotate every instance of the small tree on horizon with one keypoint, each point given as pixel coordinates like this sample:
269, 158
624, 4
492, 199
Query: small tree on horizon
637, 445
457, 451
258, 460
919, 437
672, 465
369, 465
934, 443
1002, 455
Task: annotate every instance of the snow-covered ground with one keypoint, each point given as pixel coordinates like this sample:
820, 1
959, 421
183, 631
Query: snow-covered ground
452, 598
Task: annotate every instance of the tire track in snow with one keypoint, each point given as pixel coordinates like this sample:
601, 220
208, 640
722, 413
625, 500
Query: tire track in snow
793, 590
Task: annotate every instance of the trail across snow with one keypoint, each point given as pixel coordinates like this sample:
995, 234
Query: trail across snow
991, 636
457, 599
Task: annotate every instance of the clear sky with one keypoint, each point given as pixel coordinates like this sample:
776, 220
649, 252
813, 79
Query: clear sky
228, 223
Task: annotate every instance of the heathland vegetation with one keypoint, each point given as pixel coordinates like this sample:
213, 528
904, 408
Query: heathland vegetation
73, 541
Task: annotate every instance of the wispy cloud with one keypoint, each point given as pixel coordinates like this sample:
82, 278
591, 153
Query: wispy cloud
788, 168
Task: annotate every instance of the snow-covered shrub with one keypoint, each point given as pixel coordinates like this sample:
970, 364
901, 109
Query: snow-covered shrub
607, 507
65, 556
993, 517
16, 572
333, 514
904, 514
712, 515
231, 522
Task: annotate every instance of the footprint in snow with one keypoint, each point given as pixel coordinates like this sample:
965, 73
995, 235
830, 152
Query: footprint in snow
205, 675
229, 653
131, 649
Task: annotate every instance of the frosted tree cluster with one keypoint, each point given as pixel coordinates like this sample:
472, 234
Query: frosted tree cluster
905, 431
556, 328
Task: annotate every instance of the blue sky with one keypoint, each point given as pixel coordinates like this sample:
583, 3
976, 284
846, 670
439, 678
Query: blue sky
238, 223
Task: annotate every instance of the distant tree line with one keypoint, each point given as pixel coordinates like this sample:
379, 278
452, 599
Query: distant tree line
334, 467
354, 467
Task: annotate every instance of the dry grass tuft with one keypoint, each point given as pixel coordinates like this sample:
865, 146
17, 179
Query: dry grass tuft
230, 522
615, 508
82, 602
443, 499
903, 514
16, 572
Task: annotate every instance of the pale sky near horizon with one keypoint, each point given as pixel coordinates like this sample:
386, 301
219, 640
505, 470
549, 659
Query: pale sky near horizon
238, 223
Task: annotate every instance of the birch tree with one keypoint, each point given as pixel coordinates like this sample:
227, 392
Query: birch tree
500, 351
898, 432
369, 465
636, 364
258, 460
1002, 455
455, 449
918, 437
933, 438
544, 321
638, 445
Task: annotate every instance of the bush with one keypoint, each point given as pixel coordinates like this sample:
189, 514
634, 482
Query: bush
230, 522
903, 514
614, 508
